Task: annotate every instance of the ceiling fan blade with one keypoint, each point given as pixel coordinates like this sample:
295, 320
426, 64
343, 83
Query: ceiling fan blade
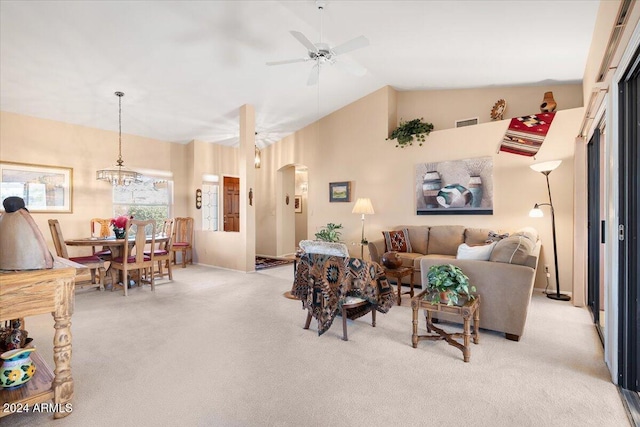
287, 61
304, 40
350, 45
314, 75
351, 68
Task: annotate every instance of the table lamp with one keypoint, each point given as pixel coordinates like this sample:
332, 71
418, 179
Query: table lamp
363, 206
546, 168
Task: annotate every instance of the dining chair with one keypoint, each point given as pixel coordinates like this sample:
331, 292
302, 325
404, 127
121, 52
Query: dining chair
100, 228
92, 262
162, 253
183, 239
133, 256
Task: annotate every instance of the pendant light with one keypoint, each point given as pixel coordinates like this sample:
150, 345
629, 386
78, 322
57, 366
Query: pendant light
119, 175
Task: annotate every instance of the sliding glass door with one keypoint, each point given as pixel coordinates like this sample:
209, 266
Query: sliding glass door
628, 228
596, 229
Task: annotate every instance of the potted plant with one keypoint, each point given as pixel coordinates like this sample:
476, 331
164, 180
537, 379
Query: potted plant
448, 282
405, 132
329, 233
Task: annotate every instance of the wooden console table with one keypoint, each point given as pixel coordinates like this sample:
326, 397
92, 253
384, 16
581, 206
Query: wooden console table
27, 293
466, 309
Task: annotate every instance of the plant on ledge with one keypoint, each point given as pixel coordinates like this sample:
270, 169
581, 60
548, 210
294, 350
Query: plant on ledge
448, 282
329, 233
405, 132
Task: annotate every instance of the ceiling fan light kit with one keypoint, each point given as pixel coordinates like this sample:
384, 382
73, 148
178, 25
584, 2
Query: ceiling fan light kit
323, 54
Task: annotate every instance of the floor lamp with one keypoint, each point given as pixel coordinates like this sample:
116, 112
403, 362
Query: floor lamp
363, 206
545, 169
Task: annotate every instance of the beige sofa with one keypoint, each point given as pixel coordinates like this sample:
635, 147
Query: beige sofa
504, 282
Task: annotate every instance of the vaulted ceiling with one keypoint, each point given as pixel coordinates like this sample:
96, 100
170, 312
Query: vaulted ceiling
187, 66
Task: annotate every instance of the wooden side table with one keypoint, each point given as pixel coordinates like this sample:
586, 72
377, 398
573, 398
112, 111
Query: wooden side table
398, 274
466, 309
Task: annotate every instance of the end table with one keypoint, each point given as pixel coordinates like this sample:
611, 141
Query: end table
466, 309
398, 274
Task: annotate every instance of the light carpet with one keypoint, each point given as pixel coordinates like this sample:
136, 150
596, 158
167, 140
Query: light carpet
222, 348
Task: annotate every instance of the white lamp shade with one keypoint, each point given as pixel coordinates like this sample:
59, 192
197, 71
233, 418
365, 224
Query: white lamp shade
536, 213
363, 206
546, 166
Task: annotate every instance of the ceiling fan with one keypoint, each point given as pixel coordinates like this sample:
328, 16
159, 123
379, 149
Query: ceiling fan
322, 54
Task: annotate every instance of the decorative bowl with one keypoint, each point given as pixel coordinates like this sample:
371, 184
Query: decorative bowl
391, 260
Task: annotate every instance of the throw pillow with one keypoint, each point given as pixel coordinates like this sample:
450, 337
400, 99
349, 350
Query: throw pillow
495, 237
480, 253
512, 250
397, 240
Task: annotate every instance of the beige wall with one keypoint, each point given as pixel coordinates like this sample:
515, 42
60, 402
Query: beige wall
31, 140
353, 148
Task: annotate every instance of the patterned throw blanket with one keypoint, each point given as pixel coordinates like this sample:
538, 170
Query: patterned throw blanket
323, 282
526, 134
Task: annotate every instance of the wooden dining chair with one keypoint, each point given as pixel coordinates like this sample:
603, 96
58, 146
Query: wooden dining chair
162, 253
133, 256
183, 239
92, 262
100, 228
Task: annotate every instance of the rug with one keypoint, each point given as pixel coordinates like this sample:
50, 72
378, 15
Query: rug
265, 262
526, 134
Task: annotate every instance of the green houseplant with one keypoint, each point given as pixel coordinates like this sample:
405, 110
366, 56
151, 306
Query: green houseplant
405, 132
448, 282
329, 233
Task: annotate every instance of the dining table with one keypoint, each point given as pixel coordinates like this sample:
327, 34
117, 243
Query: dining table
115, 245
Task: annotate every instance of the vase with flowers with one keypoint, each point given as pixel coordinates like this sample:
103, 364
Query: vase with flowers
119, 224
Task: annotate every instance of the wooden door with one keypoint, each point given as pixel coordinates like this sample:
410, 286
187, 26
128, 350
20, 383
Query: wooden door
231, 205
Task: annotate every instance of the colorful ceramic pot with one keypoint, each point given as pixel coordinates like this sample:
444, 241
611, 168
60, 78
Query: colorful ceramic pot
17, 368
391, 260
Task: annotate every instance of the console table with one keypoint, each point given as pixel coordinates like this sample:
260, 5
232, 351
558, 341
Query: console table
465, 309
27, 293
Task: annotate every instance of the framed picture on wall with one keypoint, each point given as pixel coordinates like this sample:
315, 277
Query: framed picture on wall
297, 204
43, 188
455, 187
340, 191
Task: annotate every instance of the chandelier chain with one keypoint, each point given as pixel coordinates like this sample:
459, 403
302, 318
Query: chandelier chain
119, 95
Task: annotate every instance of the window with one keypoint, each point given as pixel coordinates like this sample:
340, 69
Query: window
210, 205
149, 199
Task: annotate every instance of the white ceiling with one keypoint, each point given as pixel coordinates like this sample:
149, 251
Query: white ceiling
186, 67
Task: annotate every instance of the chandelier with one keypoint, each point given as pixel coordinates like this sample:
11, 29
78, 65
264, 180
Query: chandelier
120, 174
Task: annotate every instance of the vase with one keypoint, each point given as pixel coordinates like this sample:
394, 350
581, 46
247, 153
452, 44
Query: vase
391, 260
119, 232
475, 187
17, 368
431, 184
548, 103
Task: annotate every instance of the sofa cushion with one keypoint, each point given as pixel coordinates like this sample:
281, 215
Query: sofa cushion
512, 250
480, 253
528, 232
445, 239
409, 259
418, 236
397, 240
476, 236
